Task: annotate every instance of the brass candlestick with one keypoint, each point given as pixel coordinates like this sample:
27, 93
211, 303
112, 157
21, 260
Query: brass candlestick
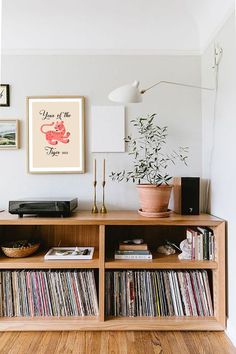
94, 208
103, 209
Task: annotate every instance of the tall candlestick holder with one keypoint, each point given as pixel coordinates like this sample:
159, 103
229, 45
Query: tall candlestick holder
103, 209
94, 208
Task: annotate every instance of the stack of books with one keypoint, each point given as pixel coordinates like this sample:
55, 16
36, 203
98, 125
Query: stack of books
48, 293
158, 293
133, 251
203, 243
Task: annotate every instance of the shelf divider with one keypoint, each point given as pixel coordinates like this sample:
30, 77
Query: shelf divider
37, 261
102, 273
160, 261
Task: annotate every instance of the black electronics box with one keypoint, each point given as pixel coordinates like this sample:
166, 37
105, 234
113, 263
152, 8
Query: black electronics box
52, 207
187, 195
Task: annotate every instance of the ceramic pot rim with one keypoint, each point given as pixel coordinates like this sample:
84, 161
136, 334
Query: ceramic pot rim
164, 186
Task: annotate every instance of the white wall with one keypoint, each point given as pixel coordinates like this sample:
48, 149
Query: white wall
94, 77
223, 166
209, 15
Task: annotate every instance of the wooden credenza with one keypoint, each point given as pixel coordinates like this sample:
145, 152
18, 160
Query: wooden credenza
104, 232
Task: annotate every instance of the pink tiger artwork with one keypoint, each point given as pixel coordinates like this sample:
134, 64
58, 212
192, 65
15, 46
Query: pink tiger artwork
59, 133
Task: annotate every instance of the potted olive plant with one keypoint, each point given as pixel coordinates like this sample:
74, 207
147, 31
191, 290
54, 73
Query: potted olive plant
150, 164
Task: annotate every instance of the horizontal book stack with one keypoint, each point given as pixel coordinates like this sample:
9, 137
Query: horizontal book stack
203, 243
48, 293
133, 251
158, 293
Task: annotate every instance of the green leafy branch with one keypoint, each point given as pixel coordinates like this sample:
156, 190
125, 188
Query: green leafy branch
150, 164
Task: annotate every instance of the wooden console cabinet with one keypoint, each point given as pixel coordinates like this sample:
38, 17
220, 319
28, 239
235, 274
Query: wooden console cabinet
104, 233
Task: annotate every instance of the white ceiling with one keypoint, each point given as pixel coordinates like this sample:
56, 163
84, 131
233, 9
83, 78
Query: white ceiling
112, 26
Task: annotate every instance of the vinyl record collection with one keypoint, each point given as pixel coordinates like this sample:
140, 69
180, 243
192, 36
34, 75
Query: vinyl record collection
48, 293
158, 293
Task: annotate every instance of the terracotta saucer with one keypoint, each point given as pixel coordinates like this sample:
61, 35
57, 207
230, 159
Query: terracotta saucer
163, 214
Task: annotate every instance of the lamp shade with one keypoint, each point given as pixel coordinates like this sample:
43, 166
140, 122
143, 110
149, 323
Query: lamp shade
126, 94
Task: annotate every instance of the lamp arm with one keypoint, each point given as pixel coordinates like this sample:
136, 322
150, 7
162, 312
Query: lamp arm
177, 84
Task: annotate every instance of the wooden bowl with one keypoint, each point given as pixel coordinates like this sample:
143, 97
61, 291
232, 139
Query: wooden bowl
20, 252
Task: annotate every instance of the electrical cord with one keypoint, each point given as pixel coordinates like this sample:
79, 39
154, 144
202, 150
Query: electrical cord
218, 56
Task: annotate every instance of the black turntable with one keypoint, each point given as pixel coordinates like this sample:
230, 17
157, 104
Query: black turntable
52, 207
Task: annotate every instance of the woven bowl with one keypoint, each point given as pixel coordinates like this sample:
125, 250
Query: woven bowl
15, 252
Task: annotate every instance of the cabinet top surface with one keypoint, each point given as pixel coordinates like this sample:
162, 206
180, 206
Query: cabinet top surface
111, 218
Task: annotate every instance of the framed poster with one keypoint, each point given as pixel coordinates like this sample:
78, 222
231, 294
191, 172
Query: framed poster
9, 134
4, 95
56, 134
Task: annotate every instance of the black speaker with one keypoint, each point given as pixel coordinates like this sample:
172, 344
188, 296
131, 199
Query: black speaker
187, 195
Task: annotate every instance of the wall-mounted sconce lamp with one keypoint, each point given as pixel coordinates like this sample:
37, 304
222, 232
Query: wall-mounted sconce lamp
131, 93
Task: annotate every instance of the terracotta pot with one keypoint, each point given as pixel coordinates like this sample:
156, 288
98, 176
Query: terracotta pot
154, 199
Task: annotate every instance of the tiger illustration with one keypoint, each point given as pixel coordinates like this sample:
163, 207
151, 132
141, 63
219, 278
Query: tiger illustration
59, 133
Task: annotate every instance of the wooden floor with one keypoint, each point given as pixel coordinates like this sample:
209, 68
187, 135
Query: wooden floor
115, 342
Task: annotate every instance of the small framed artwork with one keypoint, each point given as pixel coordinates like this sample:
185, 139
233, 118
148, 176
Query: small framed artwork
9, 134
108, 129
56, 134
4, 95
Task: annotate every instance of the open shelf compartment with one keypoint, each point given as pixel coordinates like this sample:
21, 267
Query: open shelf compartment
154, 236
